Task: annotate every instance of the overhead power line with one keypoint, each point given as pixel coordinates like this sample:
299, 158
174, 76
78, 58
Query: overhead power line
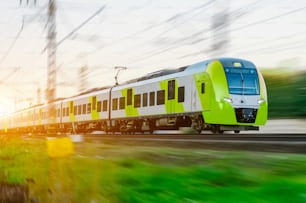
78, 27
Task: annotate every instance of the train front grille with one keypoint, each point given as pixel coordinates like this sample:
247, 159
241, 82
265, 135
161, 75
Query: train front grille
246, 115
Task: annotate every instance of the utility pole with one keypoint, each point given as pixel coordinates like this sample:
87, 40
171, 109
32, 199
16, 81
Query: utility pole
51, 51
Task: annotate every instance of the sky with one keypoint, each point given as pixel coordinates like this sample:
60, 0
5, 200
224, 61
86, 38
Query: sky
142, 35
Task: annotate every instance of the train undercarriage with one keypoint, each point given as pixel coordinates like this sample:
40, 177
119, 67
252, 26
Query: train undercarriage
195, 123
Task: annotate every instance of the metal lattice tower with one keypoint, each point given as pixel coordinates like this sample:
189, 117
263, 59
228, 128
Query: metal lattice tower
51, 51
220, 28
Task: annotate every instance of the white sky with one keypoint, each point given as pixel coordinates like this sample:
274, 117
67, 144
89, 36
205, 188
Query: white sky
143, 35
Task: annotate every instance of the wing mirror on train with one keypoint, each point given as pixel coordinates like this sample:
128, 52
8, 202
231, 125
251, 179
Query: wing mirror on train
260, 101
227, 100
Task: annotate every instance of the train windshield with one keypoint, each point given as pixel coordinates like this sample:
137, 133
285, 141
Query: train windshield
242, 81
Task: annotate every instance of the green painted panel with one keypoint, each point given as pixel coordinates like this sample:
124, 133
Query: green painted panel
172, 106
71, 111
220, 112
262, 113
94, 113
130, 110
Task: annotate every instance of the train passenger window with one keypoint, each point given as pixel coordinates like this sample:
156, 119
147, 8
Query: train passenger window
79, 109
137, 101
75, 110
67, 111
152, 98
181, 94
129, 97
71, 106
99, 106
122, 103
89, 108
145, 99
64, 111
104, 105
171, 89
94, 103
115, 104
84, 109
160, 97
203, 88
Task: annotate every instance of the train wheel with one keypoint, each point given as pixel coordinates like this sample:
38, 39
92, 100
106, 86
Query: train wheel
216, 129
197, 124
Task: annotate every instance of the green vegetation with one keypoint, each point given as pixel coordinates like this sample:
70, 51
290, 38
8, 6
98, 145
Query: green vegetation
286, 93
106, 173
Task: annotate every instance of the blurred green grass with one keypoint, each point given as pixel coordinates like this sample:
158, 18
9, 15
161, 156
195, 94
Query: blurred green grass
100, 172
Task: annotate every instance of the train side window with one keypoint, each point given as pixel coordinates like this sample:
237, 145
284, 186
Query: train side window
160, 97
67, 111
171, 89
75, 110
129, 97
84, 109
89, 108
144, 99
203, 88
94, 103
137, 101
99, 106
122, 103
104, 105
115, 104
79, 109
181, 94
152, 98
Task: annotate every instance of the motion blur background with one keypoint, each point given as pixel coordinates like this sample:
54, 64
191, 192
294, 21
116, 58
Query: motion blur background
94, 36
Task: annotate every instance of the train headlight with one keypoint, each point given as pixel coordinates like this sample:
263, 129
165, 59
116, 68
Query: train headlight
260, 101
228, 100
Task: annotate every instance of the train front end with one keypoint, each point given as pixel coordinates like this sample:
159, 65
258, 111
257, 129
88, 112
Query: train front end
238, 98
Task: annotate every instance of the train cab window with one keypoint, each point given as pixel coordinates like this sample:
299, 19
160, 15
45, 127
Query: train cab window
115, 104
144, 99
122, 103
181, 94
160, 97
94, 103
203, 88
84, 109
129, 97
137, 101
171, 89
152, 98
79, 109
99, 106
89, 108
104, 105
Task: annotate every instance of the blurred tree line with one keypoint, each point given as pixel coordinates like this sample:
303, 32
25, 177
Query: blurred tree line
286, 93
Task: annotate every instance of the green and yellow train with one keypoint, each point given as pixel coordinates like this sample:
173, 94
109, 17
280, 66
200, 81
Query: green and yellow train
225, 94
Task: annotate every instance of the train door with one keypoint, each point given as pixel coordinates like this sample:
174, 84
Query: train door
201, 98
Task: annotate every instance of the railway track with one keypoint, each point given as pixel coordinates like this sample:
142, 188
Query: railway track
286, 143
